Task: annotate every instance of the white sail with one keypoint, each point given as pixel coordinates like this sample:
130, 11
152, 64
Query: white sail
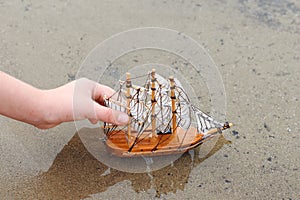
163, 110
141, 107
183, 106
138, 110
205, 122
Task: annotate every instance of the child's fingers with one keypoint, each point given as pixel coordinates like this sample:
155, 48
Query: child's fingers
100, 91
111, 116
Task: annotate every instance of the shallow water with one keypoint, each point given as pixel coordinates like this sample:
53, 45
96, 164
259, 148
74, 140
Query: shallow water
256, 46
76, 174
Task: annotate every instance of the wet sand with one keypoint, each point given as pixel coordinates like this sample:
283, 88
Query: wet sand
256, 46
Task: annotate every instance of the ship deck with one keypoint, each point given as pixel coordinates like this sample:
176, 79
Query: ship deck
148, 145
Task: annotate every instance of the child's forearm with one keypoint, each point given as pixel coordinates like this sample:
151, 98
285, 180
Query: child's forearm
20, 101
48, 108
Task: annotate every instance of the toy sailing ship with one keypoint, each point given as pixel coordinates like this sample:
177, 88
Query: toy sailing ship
162, 119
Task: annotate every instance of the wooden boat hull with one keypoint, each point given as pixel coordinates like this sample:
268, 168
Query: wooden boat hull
147, 145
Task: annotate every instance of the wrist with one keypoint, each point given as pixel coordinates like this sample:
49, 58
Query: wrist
56, 106
47, 113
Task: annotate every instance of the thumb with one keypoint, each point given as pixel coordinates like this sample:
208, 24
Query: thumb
109, 115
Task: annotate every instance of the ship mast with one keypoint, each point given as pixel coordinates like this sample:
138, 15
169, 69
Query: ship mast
128, 96
153, 102
172, 87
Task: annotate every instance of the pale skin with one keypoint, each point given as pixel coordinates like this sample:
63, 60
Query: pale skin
48, 108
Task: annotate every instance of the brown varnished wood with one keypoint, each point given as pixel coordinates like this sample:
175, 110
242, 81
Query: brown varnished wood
180, 142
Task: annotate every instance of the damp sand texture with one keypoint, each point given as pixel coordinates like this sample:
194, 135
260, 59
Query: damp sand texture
256, 46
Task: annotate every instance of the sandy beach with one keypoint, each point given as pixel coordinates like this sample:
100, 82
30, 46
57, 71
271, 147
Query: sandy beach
254, 44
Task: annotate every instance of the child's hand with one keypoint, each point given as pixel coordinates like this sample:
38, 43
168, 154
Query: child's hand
77, 100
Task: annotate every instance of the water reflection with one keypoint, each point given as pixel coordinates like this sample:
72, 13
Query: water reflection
76, 174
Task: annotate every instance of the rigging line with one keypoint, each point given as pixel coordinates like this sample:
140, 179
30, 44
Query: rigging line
169, 123
138, 124
147, 81
139, 127
206, 122
126, 132
107, 123
105, 130
179, 108
183, 137
116, 104
138, 104
206, 116
117, 92
196, 109
113, 128
113, 132
160, 84
138, 139
119, 97
141, 76
176, 125
110, 127
159, 142
180, 114
182, 91
161, 107
148, 124
202, 129
185, 132
165, 139
133, 97
168, 111
203, 125
139, 135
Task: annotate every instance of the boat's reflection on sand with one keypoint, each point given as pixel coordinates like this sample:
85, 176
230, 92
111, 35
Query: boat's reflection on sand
76, 174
